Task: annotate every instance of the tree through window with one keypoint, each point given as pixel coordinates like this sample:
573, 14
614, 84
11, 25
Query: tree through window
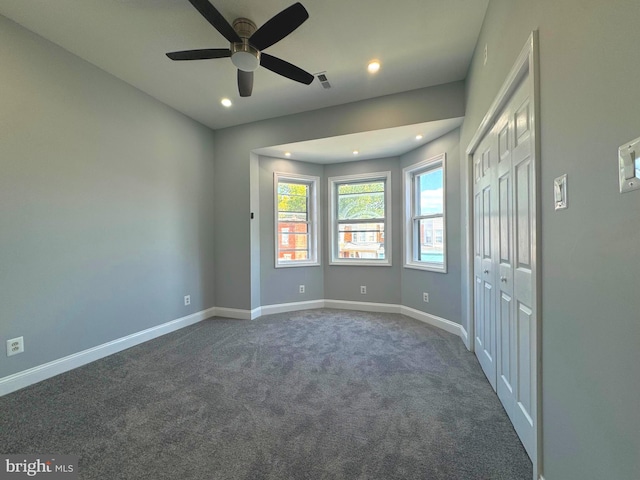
360, 219
296, 220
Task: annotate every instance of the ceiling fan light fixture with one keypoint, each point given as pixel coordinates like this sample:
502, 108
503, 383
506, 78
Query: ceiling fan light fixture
246, 42
287, 154
245, 57
226, 102
419, 137
374, 66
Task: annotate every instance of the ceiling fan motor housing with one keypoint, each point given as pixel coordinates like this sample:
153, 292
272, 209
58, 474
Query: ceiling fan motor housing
243, 55
244, 27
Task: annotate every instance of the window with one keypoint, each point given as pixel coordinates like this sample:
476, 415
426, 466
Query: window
360, 210
296, 220
425, 225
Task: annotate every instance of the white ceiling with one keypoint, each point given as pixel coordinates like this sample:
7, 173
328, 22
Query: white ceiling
419, 42
389, 142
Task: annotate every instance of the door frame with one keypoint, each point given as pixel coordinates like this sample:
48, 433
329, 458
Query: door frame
527, 63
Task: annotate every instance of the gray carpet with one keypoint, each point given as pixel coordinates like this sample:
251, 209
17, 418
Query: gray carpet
319, 394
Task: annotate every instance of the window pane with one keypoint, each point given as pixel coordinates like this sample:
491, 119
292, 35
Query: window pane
299, 189
292, 203
430, 240
292, 197
295, 202
360, 200
430, 192
293, 238
293, 246
361, 240
290, 255
293, 241
292, 217
294, 235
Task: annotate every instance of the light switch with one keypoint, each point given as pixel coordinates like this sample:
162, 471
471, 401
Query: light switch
560, 192
629, 166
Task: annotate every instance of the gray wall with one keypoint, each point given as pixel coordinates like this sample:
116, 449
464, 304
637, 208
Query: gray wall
342, 282
106, 210
256, 211
233, 173
590, 257
280, 285
443, 288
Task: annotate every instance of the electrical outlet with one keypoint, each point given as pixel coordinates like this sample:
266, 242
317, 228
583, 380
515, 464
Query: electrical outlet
15, 346
187, 300
363, 289
301, 288
425, 297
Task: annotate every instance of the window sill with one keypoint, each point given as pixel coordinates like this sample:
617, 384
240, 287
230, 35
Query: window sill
298, 264
426, 267
361, 263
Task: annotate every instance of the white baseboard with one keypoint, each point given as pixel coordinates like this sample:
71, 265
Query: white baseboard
33, 375
291, 307
433, 320
362, 306
464, 335
234, 313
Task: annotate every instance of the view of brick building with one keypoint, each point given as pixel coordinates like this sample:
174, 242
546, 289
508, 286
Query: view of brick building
293, 241
432, 240
365, 240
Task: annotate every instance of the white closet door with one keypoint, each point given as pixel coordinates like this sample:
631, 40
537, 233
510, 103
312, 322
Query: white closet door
504, 209
524, 340
484, 274
506, 331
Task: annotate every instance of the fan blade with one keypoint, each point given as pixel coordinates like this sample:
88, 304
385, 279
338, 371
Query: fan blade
214, 17
245, 83
285, 69
204, 54
279, 26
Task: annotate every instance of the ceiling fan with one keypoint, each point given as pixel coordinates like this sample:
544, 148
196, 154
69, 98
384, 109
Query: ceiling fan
247, 44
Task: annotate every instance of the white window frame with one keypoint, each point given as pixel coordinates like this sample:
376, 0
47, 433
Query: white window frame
411, 242
334, 182
313, 218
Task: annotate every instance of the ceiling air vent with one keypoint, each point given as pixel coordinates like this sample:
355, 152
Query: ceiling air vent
324, 81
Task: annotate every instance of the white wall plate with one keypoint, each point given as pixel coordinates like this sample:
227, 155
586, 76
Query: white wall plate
629, 166
560, 192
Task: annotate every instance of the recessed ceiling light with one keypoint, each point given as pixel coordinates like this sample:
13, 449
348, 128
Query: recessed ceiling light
356, 152
374, 66
226, 102
287, 154
418, 137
